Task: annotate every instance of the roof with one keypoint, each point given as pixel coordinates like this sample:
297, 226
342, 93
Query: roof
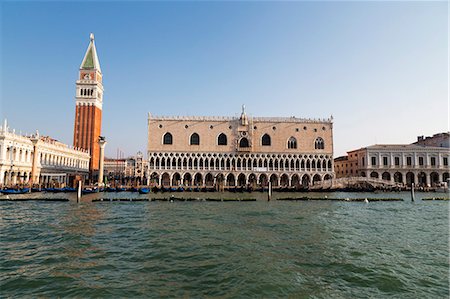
90, 60
401, 146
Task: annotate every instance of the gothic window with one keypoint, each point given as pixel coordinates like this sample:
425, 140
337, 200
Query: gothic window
292, 142
195, 139
319, 143
265, 140
167, 138
222, 139
243, 142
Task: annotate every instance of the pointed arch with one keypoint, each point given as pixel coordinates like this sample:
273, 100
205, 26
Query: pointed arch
292, 143
319, 143
222, 139
167, 139
265, 140
195, 139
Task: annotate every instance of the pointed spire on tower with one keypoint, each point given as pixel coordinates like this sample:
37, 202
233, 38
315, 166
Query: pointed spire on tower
90, 60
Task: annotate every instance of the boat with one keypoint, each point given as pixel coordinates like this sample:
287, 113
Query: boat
180, 189
144, 190
36, 190
14, 191
88, 191
133, 189
110, 189
119, 189
69, 189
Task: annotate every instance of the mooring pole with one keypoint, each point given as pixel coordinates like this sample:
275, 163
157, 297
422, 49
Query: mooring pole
412, 191
79, 191
269, 195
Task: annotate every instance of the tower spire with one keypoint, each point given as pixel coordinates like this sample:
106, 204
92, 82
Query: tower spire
90, 60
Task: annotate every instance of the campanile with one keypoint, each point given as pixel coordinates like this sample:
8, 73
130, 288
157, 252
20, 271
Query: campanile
89, 100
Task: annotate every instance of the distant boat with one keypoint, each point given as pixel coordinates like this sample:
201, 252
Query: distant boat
144, 190
110, 189
69, 189
36, 190
88, 191
133, 189
119, 189
180, 189
14, 191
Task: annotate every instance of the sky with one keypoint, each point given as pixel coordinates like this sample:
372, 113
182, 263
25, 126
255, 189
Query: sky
379, 68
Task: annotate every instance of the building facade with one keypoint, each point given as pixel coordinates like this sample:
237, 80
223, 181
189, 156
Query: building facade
239, 151
38, 159
404, 163
89, 102
128, 171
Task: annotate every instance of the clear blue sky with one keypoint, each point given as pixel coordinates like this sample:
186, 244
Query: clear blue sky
380, 68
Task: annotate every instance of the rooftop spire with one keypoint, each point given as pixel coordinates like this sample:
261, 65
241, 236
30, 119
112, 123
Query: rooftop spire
244, 118
90, 60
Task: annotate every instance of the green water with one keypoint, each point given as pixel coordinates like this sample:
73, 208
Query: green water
225, 249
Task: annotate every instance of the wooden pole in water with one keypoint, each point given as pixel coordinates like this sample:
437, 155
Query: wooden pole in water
412, 191
79, 191
269, 195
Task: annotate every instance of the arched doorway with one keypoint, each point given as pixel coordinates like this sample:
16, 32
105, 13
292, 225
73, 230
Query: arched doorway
445, 177
316, 179
386, 176
230, 180
434, 179
176, 179
187, 179
242, 180
295, 181
327, 177
263, 181
165, 179
209, 180
422, 179
306, 180
284, 180
410, 178
274, 180
398, 177
374, 175
252, 180
198, 180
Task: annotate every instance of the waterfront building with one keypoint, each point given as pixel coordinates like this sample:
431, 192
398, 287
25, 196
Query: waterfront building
89, 101
400, 163
239, 151
132, 170
39, 159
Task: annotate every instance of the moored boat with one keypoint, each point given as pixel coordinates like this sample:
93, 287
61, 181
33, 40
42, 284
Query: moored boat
144, 190
14, 191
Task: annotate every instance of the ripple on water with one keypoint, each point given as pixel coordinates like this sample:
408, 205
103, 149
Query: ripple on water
260, 249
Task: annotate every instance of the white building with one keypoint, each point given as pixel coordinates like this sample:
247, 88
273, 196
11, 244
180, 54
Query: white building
400, 163
55, 161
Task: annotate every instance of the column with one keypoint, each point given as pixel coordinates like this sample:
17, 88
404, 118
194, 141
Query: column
35, 141
102, 143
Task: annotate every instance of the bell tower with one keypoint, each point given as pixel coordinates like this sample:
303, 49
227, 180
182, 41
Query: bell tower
88, 101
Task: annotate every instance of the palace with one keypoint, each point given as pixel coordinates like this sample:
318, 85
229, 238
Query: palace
239, 151
39, 159
415, 163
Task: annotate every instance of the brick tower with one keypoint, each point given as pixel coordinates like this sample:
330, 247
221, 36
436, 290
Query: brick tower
89, 99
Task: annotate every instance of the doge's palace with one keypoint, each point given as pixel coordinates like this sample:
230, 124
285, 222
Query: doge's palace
239, 151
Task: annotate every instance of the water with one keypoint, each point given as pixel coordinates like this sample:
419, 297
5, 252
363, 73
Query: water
225, 249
